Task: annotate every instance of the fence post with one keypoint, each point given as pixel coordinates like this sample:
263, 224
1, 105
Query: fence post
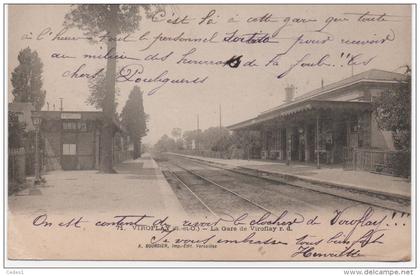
354, 154
371, 161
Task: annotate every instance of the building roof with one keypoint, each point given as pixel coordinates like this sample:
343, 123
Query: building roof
307, 105
373, 75
85, 115
370, 76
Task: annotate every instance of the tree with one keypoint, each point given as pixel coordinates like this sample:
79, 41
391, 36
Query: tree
165, 144
16, 131
247, 141
215, 138
27, 79
189, 136
134, 119
98, 91
176, 132
109, 21
393, 112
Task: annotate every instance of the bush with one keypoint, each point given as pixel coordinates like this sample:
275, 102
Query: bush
400, 163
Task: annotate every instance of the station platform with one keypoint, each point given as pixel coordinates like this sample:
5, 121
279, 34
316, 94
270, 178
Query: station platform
138, 187
330, 176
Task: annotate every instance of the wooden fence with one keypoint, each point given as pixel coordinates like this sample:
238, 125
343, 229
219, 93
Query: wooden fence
16, 169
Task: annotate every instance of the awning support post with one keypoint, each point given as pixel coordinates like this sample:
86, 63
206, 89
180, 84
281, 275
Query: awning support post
317, 142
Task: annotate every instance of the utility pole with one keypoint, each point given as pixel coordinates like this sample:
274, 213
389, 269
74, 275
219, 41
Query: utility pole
198, 132
220, 116
317, 142
48, 106
61, 104
220, 129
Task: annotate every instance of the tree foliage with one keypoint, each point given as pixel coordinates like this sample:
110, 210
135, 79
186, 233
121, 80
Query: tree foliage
165, 144
393, 112
108, 20
214, 141
94, 19
188, 137
16, 131
176, 132
27, 79
134, 118
247, 139
244, 143
97, 88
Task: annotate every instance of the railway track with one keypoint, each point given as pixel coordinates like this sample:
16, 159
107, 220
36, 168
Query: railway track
207, 179
223, 201
223, 188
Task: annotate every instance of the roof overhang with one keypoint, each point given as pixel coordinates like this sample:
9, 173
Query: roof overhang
301, 107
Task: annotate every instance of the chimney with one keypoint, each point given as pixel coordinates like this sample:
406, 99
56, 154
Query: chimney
290, 93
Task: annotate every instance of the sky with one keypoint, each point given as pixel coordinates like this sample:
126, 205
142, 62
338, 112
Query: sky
242, 92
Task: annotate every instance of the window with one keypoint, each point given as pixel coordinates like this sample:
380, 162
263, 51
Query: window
69, 125
75, 125
69, 149
82, 126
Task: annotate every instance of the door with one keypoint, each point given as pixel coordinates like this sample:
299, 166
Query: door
353, 140
69, 157
283, 144
302, 147
295, 147
311, 143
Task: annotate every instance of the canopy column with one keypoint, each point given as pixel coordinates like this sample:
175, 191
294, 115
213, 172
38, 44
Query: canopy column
317, 138
306, 136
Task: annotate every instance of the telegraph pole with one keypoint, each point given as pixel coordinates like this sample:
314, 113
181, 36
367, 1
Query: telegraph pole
220, 128
198, 132
220, 116
61, 104
317, 142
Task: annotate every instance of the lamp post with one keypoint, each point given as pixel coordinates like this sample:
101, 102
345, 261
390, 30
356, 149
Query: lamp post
36, 120
318, 166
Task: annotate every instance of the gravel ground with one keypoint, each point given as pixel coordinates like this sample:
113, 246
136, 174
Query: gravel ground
273, 196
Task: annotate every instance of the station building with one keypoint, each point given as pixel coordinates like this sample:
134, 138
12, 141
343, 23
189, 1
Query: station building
325, 125
69, 140
72, 140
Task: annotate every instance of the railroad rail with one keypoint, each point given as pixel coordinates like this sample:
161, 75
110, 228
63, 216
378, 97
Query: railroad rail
225, 189
200, 164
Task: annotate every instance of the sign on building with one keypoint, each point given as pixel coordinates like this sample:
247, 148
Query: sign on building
74, 116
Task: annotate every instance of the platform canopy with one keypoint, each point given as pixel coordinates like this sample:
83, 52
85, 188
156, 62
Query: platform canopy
301, 108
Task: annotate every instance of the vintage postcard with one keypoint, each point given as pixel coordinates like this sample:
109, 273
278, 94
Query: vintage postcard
200, 132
